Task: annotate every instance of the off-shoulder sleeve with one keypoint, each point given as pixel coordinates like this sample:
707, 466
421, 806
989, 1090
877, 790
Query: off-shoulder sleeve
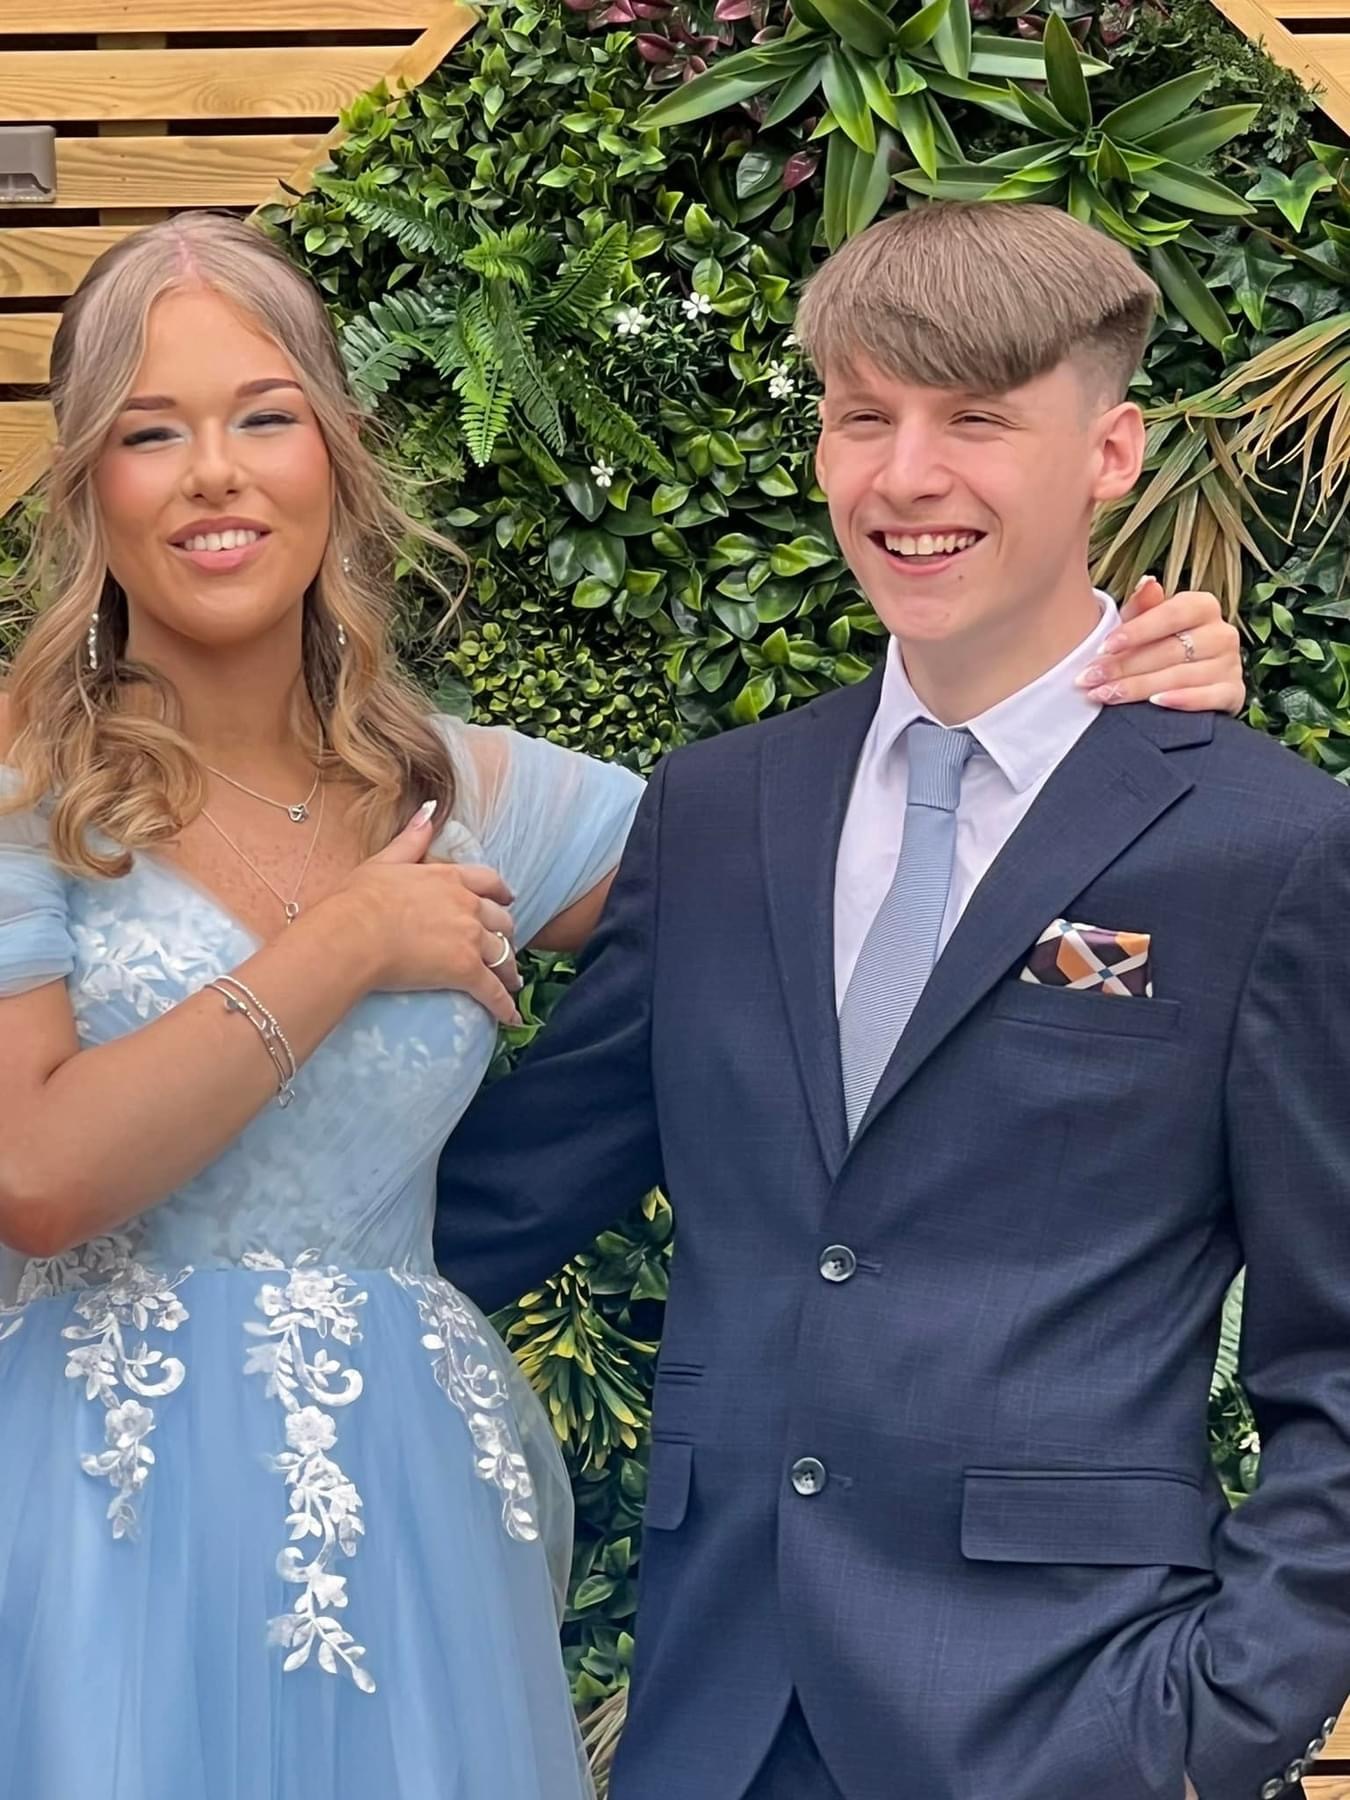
550, 821
35, 941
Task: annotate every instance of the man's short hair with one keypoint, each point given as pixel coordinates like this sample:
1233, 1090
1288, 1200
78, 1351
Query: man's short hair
982, 295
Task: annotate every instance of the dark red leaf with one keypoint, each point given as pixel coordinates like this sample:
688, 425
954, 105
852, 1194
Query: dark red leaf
654, 48
800, 167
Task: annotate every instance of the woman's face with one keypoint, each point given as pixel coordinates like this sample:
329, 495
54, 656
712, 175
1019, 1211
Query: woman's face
214, 485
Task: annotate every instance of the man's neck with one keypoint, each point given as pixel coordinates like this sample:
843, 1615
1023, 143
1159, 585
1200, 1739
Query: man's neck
962, 677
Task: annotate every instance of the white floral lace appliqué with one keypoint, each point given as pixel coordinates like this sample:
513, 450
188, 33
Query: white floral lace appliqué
119, 1293
477, 1388
325, 1505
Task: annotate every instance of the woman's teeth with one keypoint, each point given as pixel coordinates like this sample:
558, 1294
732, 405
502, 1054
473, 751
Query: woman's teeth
924, 544
222, 540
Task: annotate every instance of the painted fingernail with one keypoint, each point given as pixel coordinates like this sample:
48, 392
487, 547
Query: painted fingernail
1160, 700
1138, 584
1107, 694
1092, 676
424, 813
1118, 640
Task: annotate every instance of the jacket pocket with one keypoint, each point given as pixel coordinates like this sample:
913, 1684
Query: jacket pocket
1103, 1516
669, 1473
1073, 1010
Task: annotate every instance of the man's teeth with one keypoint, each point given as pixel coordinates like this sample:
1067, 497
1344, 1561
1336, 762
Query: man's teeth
924, 544
222, 540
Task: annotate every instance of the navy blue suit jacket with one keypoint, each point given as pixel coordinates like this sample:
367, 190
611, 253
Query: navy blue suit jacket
1019, 1578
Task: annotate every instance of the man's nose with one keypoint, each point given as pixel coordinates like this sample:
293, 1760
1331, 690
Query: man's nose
913, 469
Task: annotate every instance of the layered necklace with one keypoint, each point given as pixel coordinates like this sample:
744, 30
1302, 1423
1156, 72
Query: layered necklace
297, 812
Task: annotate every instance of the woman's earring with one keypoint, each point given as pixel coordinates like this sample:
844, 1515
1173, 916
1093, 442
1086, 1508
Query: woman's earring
342, 637
92, 639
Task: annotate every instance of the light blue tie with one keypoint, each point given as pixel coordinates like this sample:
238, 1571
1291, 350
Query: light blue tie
901, 947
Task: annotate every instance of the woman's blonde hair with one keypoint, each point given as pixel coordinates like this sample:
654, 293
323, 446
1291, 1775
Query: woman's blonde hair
84, 736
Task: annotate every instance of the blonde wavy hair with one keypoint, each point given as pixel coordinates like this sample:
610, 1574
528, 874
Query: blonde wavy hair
103, 746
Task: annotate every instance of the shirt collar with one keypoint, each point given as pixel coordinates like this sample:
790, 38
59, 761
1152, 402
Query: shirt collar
1027, 734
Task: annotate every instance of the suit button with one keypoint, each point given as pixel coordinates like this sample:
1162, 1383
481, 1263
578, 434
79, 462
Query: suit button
1272, 1790
838, 1263
808, 1475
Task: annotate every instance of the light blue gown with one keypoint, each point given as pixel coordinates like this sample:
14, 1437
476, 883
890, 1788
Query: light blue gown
279, 1519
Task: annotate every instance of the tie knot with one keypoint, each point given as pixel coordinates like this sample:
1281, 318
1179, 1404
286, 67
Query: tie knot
936, 759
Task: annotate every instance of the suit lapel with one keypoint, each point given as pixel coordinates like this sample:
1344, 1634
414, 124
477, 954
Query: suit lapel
1109, 789
807, 776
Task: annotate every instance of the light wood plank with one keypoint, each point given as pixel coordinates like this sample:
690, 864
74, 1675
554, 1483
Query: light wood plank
1338, 1744
25, 346
1327, 1787
174, 171
1331, 52
48, 17
50, 260
408, 69
26, 434
54, 87
1299, 54
1310, 9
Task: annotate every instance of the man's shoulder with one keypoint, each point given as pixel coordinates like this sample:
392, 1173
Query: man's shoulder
1279, 798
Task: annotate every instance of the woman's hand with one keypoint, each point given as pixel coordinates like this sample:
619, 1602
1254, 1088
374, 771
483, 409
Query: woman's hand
1147, 659
435, 925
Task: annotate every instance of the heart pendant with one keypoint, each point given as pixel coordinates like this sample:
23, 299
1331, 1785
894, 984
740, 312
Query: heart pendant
298, 814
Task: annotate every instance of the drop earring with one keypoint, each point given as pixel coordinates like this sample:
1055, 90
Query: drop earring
92, 639
341, 634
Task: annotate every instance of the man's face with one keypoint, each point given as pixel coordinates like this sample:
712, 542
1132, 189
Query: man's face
962, 513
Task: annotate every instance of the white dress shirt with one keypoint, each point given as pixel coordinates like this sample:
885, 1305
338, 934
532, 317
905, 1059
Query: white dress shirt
1024, 739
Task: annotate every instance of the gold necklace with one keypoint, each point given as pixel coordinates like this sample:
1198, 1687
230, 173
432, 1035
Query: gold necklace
290, 907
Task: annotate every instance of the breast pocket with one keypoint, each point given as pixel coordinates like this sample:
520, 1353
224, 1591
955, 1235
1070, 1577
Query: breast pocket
1072, 1009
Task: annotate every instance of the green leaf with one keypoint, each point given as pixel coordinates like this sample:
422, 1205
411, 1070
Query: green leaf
564, 564
998, 100
1064, 74
1138, 119
669, 497
952, 40
795, 92
1040, 112
859, 24
757, 694
603, 554
916, 125
878, 96
1176, 276
1192, 191
592, 592
739, 78
847, 101
840, 157
919, 28
1190, 139
1292, 194
870, 179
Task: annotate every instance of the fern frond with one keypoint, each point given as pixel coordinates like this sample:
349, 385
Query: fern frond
416, 228
534, 393
469, 342
585, 282
538, 453
374, 361
485, 413
515, 255
607, 426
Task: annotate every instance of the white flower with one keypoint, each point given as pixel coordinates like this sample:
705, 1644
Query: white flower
603, 473
128, 1423
309, 1430
781, 383
1251, 1442
791, 341
696, 306
309, 1291
631, 321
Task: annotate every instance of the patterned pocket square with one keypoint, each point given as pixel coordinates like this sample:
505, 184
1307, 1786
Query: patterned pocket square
1092, 960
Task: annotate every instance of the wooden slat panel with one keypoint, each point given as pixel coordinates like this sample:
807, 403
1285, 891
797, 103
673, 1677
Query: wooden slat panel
25, 343
1293, 52
48, 259
1338, 1744
1331, 52
39, 17
1327, 1787
1310, 9
174, 171
26, 431
53, 86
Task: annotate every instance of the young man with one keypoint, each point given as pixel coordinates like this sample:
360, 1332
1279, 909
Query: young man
978, 1035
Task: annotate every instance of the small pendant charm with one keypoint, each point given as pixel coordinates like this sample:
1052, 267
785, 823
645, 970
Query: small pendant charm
298, 814
292, 911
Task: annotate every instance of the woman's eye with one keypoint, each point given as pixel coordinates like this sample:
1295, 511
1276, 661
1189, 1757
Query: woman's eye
270, 418
152, 434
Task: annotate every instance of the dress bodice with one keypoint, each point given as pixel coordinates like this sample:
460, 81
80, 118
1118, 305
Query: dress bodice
348, 1170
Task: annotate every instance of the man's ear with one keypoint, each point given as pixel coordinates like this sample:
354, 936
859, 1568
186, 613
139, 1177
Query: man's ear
821, 482
1121, 440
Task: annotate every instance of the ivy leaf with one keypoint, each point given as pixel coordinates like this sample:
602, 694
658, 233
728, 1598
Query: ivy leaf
1292, 194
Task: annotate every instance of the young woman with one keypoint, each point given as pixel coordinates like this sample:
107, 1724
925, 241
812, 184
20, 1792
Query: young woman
278, 1519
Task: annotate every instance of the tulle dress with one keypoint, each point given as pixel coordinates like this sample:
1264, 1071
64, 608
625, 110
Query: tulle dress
279, 1519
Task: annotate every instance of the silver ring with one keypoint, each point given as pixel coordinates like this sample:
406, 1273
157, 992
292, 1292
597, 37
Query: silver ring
1187, 643
506, 950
